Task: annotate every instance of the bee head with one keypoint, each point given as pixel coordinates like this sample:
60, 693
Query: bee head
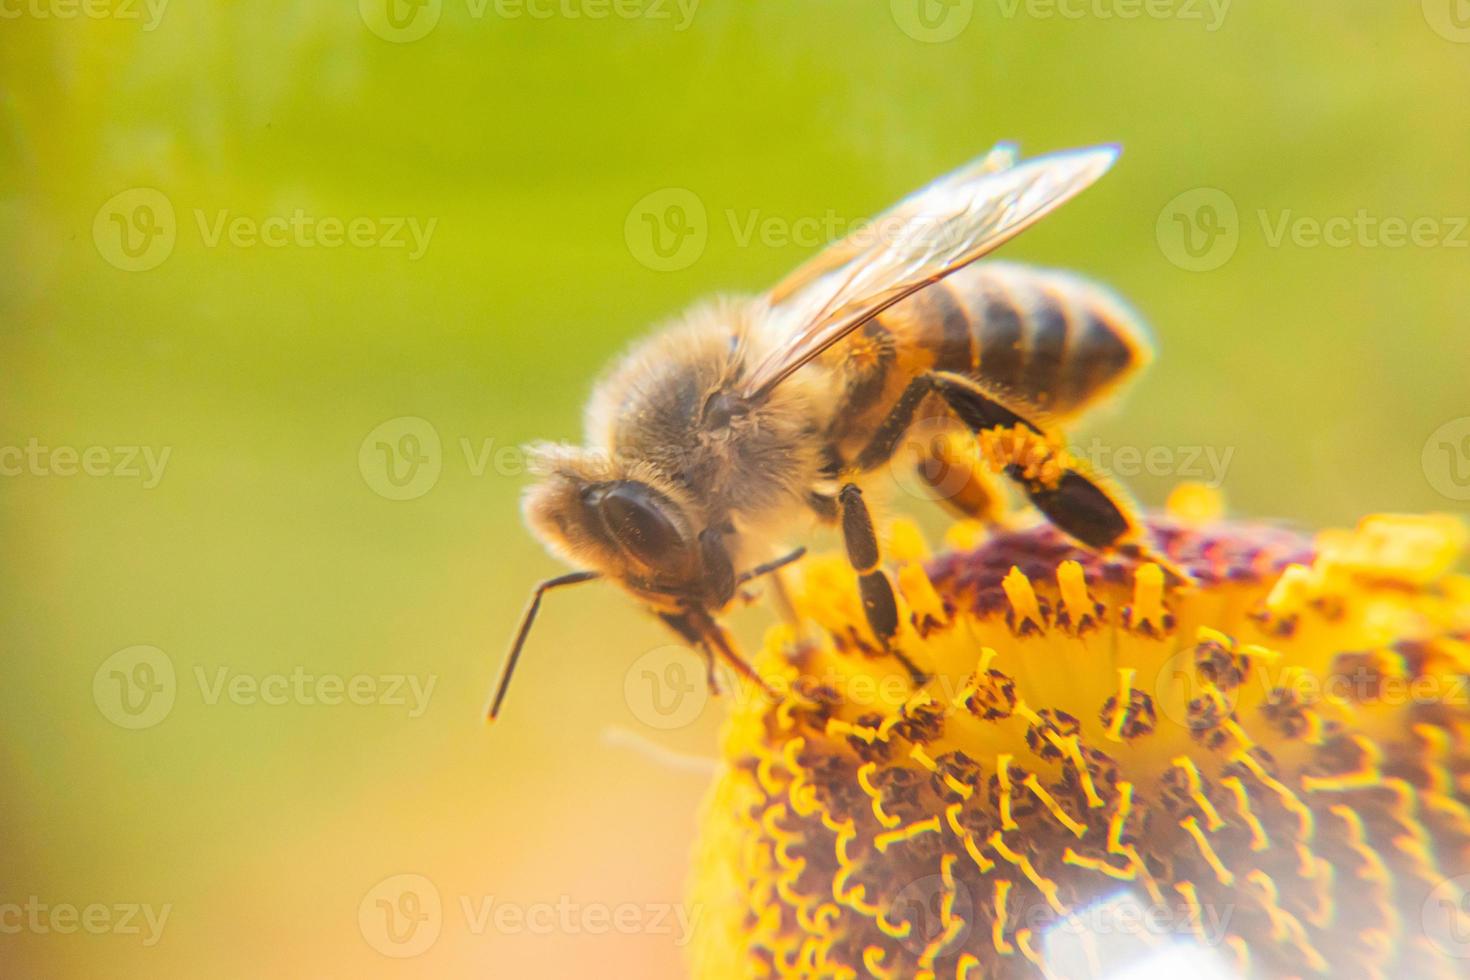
622, 521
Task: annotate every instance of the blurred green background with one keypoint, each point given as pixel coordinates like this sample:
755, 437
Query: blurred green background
269, 544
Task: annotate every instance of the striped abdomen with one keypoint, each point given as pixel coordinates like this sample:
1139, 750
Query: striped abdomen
1053, 339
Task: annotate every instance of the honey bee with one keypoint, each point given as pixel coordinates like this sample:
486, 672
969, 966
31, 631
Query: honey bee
716, 436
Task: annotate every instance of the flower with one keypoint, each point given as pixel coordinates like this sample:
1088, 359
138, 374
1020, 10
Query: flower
1269, 763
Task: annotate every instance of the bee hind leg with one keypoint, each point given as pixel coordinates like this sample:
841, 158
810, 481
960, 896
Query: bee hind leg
1071, 500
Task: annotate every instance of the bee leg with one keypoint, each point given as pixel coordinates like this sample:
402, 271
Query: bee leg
710, 678
698, 627
879, 604
1073, 502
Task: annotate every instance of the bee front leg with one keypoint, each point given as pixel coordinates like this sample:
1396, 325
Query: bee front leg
1072, 501
699, 628
879, 603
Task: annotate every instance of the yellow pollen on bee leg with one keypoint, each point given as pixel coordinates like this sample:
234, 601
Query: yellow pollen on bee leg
1038, 459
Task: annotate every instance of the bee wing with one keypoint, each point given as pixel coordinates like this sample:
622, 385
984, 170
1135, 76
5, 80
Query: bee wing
941, 228
1001, 157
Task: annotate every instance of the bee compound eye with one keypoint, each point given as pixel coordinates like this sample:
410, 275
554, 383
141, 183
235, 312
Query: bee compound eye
637, 519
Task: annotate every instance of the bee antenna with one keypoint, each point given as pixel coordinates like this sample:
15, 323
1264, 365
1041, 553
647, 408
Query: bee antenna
770, 566
529, 617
